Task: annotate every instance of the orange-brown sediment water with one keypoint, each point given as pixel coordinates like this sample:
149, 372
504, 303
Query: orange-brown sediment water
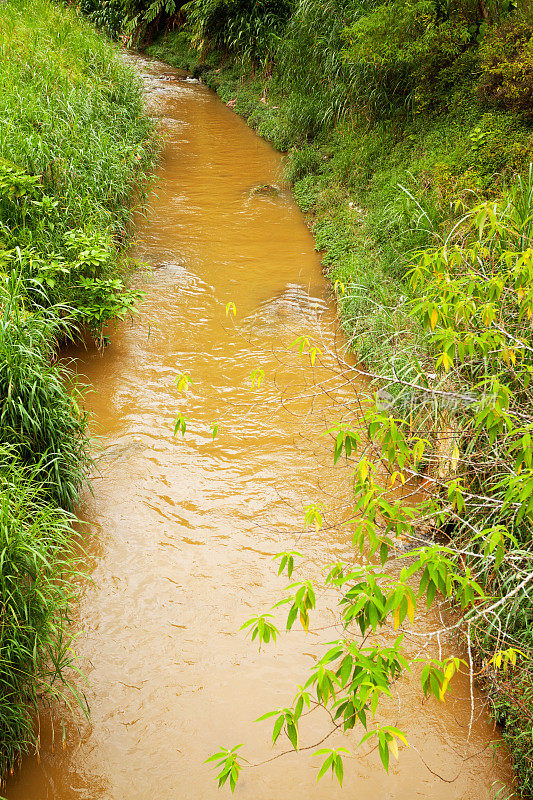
183, 529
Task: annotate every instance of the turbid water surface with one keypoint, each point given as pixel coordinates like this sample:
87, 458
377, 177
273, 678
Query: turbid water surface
182, 530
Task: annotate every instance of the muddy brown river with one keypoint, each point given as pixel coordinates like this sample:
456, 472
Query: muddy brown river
182, 530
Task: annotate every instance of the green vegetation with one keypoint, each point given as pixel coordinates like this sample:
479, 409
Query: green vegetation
36, 584
75, 144
38, 417
408, 130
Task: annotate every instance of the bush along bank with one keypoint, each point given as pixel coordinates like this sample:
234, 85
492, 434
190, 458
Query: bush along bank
75, 145
409, 136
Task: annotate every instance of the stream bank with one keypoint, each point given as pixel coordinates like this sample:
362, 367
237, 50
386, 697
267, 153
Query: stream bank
75, 149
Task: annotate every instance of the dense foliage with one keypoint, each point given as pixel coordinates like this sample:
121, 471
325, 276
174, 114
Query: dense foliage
74, 142
409, 135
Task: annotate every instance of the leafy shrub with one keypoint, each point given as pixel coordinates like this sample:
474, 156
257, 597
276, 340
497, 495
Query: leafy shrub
402, 53
105, 14
133, 20
83, 272
507, 65
500, 146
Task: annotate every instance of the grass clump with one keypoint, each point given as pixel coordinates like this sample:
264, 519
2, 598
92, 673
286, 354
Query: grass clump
37, 567
38, 415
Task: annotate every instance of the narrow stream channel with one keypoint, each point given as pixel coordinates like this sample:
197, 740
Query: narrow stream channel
183, 530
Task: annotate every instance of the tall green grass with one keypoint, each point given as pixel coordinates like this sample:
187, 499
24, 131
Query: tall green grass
75, 146
37, 568
37, 414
